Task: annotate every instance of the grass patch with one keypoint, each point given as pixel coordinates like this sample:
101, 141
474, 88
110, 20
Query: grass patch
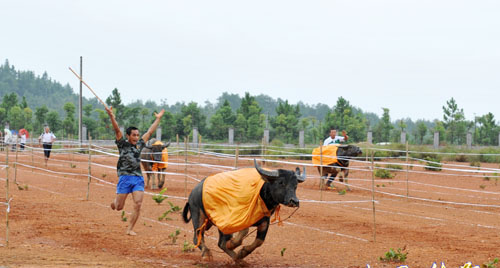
159, 197
490, 264
395, 256
383, 174
433, 165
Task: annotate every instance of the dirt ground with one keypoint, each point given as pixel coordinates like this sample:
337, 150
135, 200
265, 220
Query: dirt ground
53, 225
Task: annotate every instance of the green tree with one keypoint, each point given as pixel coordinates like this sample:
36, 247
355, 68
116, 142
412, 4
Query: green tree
221, 121
167, 125
196, 118
286, 122
8, 102
249, 126
28, 119
454, 122
53, 121
3, 117
16, 118
68, 123
488, 130
115, 101
382, 130
40, 117
343, 117
420, 132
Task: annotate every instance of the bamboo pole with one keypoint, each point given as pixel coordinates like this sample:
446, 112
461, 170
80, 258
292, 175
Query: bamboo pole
90, 171
407, 184
81, 80
178, 153
321, 182
185, 165
32, 158
373, 202
198, 169
7, 195
15, 166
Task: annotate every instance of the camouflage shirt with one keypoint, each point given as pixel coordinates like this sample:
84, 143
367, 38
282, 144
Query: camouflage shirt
129, 162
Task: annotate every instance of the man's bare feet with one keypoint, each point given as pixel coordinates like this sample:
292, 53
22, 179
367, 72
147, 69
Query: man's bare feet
132, 233
113, 205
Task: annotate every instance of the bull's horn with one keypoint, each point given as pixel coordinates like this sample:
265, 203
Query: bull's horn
148, 147
168, 144
301, 177
266, 173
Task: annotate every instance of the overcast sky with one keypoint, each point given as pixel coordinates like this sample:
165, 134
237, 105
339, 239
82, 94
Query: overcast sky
408, 56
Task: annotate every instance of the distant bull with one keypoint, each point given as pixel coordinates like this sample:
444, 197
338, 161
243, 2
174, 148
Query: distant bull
337, 157
155, 151
235, 200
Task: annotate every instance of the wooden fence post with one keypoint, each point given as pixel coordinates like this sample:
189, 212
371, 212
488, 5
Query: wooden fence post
407, 184
321, 182
185, 165
373, 202
90, 173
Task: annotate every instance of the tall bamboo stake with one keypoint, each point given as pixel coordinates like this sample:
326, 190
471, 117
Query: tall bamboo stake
185, 165
178, 153
198, 169
90, 173
373, 202
7, 196
407, 185
15, 167
321, 182
32, 158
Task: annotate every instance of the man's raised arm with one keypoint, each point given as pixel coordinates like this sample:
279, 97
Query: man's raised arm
118, 133
153, 127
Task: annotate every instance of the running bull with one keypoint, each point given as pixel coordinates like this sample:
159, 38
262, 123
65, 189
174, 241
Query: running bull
155, 151
337, 158
236, 200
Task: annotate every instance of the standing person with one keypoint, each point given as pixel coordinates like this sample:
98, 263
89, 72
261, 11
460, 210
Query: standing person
23, 141
129, 166
47, 138
334, 139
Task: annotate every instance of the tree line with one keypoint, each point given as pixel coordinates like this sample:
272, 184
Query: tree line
247, 115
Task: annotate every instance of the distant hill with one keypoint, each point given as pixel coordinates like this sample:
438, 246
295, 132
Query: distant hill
38, 90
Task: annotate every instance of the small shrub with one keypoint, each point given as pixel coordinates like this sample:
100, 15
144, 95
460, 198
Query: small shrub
461, 158
475, 164
490, 264
434, 165
72, 165
123, 216
486, 178
282, 251
482, 186
104, 175
187, 247
159, 197
174, 235
342, 192
395, 256
383, 174
394, 166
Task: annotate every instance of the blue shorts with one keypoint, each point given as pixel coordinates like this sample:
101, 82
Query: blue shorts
129, 183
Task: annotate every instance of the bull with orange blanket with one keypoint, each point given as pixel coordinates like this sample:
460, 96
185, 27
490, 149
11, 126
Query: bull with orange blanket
233, 201
154, 158
335, 160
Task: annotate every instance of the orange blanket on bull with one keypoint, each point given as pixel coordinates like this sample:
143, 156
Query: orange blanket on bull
329, 155
164, 158
232, 201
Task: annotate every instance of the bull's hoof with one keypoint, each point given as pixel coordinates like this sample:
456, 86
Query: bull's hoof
161, 185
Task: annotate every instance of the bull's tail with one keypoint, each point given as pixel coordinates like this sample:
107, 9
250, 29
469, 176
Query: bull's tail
185, 212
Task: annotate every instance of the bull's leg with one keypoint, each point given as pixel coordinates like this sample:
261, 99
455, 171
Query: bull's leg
224, 240
153, 186
161, 181
261, 236
345, 173
198, 218
237, 240
148, 175
333, 174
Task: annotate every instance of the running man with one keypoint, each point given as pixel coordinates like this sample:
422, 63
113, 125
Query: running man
129, 166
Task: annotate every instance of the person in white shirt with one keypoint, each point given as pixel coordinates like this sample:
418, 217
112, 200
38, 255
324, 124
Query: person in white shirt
47, 138
334, 139
23, 141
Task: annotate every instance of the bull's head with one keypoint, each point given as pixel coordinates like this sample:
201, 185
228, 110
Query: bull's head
157, 149
283, 184
351, 150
